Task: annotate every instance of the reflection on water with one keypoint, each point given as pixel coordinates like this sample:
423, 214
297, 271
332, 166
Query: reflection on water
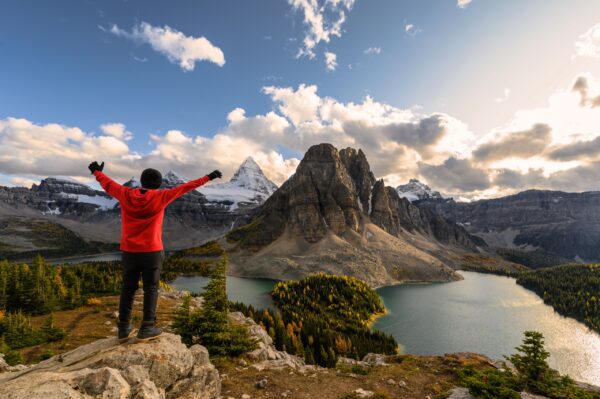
486, 314
251, 291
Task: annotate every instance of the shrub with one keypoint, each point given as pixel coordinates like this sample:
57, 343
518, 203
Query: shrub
93, 302
46, 354
13, 357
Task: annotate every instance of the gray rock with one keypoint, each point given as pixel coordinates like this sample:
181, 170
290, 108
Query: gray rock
375, 359
460, 393
3, 365
526, 395
266, 353
362, 393
159, 368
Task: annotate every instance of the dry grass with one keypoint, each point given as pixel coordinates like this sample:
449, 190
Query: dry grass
424, 376
89, 323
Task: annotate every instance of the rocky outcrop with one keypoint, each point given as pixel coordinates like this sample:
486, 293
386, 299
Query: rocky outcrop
159, 368
557, 223
266, 356
333, 215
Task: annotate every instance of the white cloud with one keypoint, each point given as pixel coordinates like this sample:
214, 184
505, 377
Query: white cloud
554, 146
588, 44
373, 50
411, 30
177, 47
116, 130
504, 98
324, 19
297, 105
463, 3
330, 61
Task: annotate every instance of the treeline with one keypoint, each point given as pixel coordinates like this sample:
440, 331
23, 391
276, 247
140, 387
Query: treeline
572, 290
323, 317
532, 259
40, 288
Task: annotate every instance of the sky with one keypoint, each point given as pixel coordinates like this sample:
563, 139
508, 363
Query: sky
476, 98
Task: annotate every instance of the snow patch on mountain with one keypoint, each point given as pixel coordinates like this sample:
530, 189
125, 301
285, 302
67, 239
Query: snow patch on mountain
103, 203
248, 185
414, 190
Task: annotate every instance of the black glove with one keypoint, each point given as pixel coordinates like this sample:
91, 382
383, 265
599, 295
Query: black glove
214, 174
94, 167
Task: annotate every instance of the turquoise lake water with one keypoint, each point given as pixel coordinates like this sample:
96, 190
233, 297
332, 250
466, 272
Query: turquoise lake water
482, 313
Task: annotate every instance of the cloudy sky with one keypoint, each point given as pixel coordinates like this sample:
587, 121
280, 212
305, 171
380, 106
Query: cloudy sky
476, 98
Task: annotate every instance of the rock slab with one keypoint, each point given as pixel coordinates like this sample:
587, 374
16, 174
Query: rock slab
107, 368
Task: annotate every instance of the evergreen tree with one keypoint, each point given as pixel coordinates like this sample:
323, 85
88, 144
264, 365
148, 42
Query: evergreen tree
209, 325
530, 361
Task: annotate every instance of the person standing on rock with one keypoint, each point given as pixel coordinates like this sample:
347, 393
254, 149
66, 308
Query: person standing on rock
142, 213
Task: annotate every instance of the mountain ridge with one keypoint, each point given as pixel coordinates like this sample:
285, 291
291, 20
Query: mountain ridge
558, 223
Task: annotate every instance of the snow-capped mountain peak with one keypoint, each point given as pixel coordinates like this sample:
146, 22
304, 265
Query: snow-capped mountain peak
249, 175
172, 179
133, 183
414, 190
248, 185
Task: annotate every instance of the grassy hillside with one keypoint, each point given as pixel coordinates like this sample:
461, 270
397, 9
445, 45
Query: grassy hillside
23, 238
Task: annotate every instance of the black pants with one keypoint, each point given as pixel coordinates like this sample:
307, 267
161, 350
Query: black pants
147, 264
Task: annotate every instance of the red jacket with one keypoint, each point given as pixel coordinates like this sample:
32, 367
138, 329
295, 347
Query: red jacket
142, 213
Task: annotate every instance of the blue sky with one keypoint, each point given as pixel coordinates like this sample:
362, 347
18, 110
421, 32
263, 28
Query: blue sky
81, 65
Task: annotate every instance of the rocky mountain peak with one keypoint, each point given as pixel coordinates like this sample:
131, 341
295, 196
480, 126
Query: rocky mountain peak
335, 191
332, 215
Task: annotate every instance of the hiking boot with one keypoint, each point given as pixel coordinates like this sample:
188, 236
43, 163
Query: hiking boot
125, 328
148, 330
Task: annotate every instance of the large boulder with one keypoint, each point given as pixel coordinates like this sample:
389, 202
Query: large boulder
108, 368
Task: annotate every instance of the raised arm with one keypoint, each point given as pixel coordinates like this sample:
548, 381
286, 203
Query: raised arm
111, 187
172, 194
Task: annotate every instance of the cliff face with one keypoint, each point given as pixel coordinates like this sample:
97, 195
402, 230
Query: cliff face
559, 223
334, 206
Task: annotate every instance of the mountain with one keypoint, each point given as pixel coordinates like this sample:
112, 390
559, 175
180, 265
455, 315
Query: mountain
566, 225
332, 215
247, 188
88, 214
414, 190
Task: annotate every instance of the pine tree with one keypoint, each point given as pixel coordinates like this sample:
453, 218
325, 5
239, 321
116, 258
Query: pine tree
531, 361
209, 325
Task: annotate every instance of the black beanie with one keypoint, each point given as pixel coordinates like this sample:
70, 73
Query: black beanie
151, 178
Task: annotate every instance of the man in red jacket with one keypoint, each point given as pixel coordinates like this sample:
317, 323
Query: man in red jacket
142, 213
